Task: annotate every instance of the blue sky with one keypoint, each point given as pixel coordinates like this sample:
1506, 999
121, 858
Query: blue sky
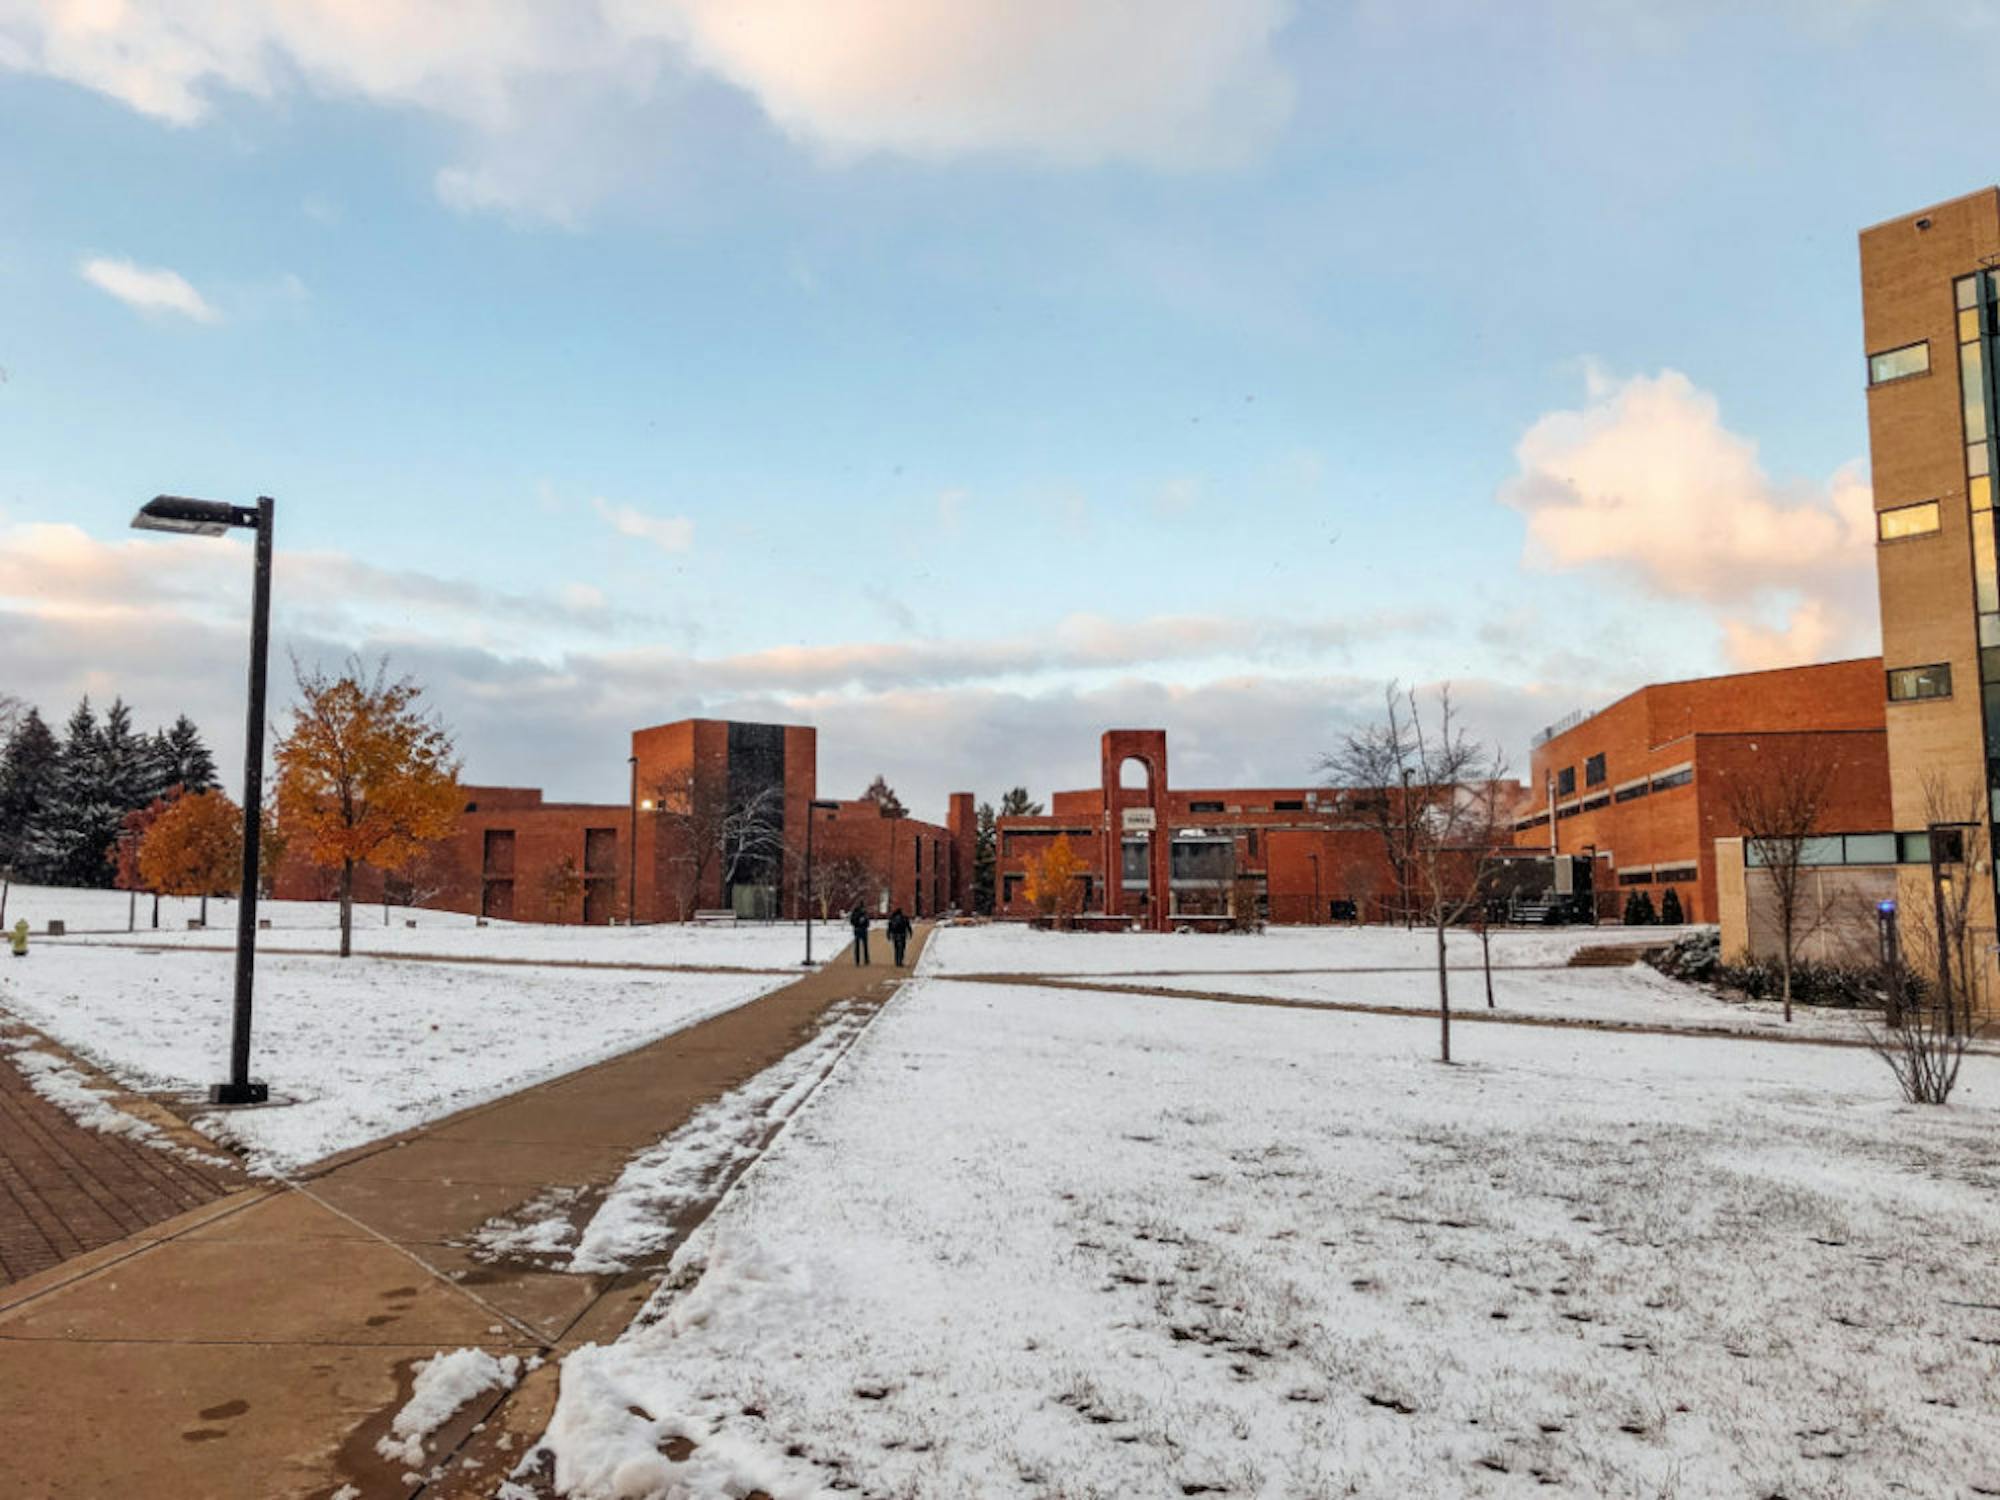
964, 378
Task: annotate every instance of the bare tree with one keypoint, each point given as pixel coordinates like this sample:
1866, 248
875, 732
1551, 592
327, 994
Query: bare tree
1780, 805
1375, 764
1458, 789
1933, 1000
699, 834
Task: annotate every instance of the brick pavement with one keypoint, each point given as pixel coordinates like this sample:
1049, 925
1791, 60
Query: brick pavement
65, 1189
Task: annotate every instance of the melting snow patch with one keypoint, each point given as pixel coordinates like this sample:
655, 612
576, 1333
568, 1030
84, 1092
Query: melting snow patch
72, 1093
444, 1384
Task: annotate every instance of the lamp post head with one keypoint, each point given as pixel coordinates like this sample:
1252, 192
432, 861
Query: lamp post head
177, 513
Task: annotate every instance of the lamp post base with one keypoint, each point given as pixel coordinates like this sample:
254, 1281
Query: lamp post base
239, 1093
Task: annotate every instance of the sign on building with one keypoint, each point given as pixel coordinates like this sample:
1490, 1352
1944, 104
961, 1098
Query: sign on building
1140, 820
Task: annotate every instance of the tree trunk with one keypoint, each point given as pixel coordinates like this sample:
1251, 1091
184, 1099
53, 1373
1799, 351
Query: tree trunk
1486, 960
6, 885
1444, 1002
346, 908
156, 911
1788, 987
132, 910
204, 911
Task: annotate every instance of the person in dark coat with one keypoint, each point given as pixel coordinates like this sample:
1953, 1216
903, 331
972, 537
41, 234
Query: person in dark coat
858, 920
899, 933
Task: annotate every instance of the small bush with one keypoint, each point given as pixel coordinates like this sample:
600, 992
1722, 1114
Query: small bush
1697, 958
1639, 910
1670, 909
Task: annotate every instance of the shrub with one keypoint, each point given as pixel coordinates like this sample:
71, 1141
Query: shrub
1639, 910
1670, 908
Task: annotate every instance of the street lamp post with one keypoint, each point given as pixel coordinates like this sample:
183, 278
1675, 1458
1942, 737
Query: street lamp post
187, 517
811, 808
1318, 906
632, 852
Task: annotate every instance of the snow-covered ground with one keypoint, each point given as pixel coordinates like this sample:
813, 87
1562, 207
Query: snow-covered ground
1028, 1243
100, 916
1014, 948
366, 1048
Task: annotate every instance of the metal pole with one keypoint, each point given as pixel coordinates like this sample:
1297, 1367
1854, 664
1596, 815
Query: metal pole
239, 1089
632, 852
809, 883
1944, 943
1319, 907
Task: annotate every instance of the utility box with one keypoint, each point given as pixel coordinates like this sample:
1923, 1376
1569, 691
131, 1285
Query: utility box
56, 928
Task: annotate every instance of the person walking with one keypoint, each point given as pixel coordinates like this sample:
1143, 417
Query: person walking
899, 933
858, 920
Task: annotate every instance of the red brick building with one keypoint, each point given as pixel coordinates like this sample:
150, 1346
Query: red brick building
717, 821
1643, 786
1303, 854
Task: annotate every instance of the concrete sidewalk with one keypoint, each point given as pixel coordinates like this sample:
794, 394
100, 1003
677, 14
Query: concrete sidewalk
257, 1346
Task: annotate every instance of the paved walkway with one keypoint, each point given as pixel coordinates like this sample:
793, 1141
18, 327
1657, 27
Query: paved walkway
65, 1189
257, 1346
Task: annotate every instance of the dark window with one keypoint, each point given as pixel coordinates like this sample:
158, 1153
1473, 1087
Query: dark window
1629, 793
1635, 877
1207, 807
1010, 887
1287, 804
1916, 847
1593, 770
1566, 781
1132, 865
1567, 812
1899, 364
499, 860
1673, 779
1908, 684
600, 851
1591, 804
1678, 875
1253, 843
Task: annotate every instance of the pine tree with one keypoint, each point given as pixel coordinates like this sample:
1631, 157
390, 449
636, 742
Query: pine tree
27, 772
885, 800
129, 764
1018, 804
985, 846
77, 823
1670, 909
185, 761
1639, 910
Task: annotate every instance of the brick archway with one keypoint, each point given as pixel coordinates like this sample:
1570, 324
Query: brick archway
1149, 803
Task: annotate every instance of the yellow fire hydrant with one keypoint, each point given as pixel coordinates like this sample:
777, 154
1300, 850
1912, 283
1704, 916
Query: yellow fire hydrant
18, 938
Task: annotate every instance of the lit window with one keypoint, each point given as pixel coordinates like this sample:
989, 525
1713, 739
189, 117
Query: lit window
1907, 684
1899, 364
1907, 520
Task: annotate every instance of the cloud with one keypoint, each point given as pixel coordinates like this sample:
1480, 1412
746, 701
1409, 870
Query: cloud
668, 533
1167, 84
1645, 482
149, 289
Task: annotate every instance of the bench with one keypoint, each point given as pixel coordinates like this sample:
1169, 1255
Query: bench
714, 919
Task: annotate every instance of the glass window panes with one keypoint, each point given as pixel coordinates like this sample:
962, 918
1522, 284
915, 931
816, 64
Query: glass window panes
1972, 391
1913, 848
1966, 289
1989, 631
1985, 587
1898, 364
1976, 459
1989, 658
1909, 683
1979, 492
1871, 848
1908, 520
1821, 851
1968, 324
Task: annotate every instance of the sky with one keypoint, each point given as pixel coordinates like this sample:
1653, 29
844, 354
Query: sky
964, 377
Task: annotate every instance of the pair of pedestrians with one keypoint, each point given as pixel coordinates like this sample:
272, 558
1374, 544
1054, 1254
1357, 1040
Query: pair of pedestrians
898, 927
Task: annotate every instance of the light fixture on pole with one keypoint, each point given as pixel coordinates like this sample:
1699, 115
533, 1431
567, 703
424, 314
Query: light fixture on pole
178, 514
811, 808
632, 852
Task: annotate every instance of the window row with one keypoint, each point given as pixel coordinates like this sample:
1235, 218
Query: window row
1857, 849
1910, 684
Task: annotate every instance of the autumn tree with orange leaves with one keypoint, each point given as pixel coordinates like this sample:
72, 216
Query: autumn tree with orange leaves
193, 846
366, 776
1054, 881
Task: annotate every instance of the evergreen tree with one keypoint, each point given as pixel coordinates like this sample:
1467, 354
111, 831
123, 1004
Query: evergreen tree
985, 846
1639, 910
1670, 909
184, 759
885, 800
1018, 804
71, 834
27, 772
128, 761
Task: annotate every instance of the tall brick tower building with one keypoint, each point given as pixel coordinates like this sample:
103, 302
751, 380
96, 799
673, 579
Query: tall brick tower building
1930, 297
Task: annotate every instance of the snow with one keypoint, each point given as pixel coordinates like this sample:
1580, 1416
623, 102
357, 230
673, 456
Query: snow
1013, 948
364, 1049
638, 1217
1031, 1243
443, 1384
71, 1091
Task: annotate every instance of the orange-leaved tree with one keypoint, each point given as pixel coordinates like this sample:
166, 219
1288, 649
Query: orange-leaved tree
366, 776
1054, 881
194, 847
124, 854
